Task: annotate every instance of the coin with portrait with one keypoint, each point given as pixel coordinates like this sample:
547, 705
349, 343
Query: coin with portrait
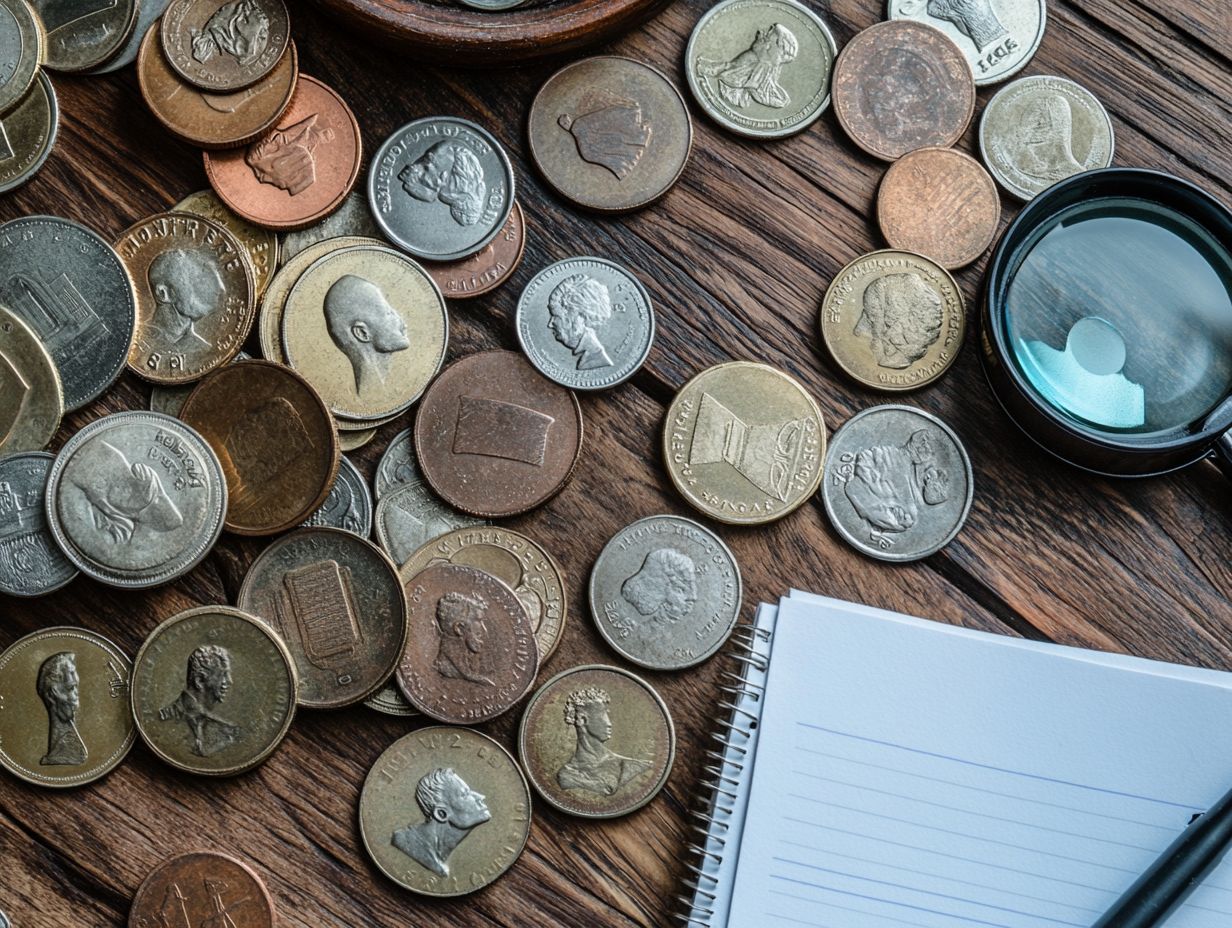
224, 45
998, 38
410, 515
202, 888
22, 42
260, 245
31, 564
82, 34
29, 131
349, 504
489, 267
31, 399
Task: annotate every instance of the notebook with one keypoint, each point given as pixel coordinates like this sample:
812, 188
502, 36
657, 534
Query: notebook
884, 771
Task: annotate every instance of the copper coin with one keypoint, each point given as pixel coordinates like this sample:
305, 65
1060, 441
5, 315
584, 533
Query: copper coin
902, 85
940, 203
202, 888
495, 438
483, 272
470, 652
275, 438
297, 173
222, 45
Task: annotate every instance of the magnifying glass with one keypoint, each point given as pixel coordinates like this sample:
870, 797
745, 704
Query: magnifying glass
1107, 316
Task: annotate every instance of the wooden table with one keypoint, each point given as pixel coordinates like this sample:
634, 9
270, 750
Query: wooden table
736, 258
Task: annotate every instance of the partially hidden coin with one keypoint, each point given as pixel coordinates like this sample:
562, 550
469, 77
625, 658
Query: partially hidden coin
22, 42
224, 45
349, 504
610, 134
488, 268
353, 441
397, 465
136, 499
30, 129
388, 700
170, 400
205, 888
597, 742
352, 218
893, 320
898, 483
148, 12
81, 36
998, 39
495, 5
445, 811
66, 719
410, 515
260, 245
30, 562
31, 398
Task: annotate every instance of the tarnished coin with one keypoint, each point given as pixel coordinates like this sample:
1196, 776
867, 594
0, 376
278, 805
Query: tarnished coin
898, 483
744, 443
170, 400
901, 85
207, 889
136, 499
410, 515
597, 742
893, 320
388, 700
349, 504
665, 592
31, 399
353, 441
352, 218
585, 323
73, 291
761, 68
444, 811
148, 12
276, 440
496, 438
470, 652
22, 42
30, 131
260, 245
82, 35
997, 38
1043, 129
30, 562
610, 133
224, 45
488, 268
941, 203
397, 465
67, 718
441, 188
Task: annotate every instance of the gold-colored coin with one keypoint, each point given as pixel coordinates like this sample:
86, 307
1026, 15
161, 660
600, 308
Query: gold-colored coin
744, 443
893, 320
353, 441
82, 35
31, 398
29, 130
22, 44
261, 245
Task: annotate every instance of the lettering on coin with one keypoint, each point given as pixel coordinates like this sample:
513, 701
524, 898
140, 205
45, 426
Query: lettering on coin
767, 455
451, 809
285, 158
462, 653
975, 19
901, 318
58, 687
57, 13
594, 766
24, 548
448, 172
579, 305
889, 485
665, 587
365, 328
497, 429
187, 287
341, 508
123, 496
208, 680
240, 29
753, 75
609, 131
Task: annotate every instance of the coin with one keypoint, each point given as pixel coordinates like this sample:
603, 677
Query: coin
388, 700
298, 172
353, 441
352, 218
30, 562
941, 203
409, 516
761, 68
397, 465
66, 718
30, 129
444, 811
610, 133
585, 323
148, 12
80, 35
276, 440
260, 245
998, 42
597, 742
21, 51
207, 889
74, 292
136, 499
902, 85
1042, 129
349, 504
31, 400
494, 5
893, 320
224, 45
441, 188
470, 652
170, 400
744, 443
487, 269
898, 483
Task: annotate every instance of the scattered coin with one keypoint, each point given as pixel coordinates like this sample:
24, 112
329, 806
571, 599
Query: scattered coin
901, 85
353, 441
998, 42
941, 203
224, 45
203, 888
893, 320
744, 443
389, 700
170, 400
30, 128
410, 515
397, 465
66, 718
31, 399
22, 42
898, 483
260, 245
30, 562
148, 12
349, 504
610, 133
494, 5
445, 811
488, 268
352, 218
597, 742
81, 37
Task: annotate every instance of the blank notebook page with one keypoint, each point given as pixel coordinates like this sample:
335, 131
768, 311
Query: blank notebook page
912, 778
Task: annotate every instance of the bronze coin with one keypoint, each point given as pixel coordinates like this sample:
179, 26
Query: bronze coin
223, 45
940, 203
496, 438
275, 438
300, 171
202, 888
483, 272
902, 85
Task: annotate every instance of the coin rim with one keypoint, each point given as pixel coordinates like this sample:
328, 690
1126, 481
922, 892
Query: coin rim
166, 39
446, 268
10, 99
43, 355
368, 506
53, 131
138, 897
114, 47
43, 590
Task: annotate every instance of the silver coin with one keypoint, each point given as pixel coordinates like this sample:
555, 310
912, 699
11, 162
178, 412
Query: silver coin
19, 167
170, 400
349, 504
353, 217
897, 484
397, 464
409, 516
494, 5
441, 188
998, 37
148, 12
388, 700
1042, 129
136, 499
71, 288
665, 592
30, 562
585, 323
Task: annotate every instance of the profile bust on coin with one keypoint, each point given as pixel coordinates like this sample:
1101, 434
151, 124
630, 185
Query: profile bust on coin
186, 289
594, 766
365, 328
461, 654
208, 679
754, 74
665, 587
240, 29
578, 306
901, 319
57, 686
451, 173
451, 809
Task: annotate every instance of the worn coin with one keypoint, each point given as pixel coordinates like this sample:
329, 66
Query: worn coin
441, 188
1043, 129
744, 443
898, 483
496, 438
30, 562
997, 38
470, 652
276, 440
488, 268
170, 400
202, 888
665, 592
66, 719
352, 218
610, 133
444, 811
353, 441
893, 320
260, 245
74, 292
410, 515
224, 45
22, 43
29, 131
31, 399
586, 323
940, 203
349, 504
761, 68
597, 742
148, 12
83, 35
902, 85
397, 465
388, 700
136, 499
